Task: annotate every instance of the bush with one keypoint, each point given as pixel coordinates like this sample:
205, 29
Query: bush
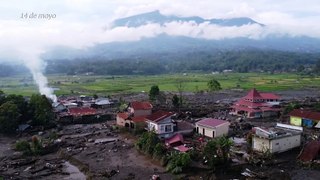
177, 162
23, 146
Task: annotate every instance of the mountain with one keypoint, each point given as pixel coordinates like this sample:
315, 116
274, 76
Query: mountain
164, 42
158, 18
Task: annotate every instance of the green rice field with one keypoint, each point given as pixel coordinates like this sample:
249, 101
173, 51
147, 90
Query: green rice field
108, 85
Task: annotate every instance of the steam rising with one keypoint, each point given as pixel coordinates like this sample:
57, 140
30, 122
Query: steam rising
36, 67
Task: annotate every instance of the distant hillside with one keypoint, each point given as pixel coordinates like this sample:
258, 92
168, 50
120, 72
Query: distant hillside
157, 17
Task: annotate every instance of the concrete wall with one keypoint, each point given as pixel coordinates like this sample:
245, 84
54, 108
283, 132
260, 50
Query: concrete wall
218, 132
276, 145
284, 144
260, 144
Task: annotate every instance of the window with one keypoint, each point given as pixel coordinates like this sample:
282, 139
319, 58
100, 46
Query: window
168, 128
161, 128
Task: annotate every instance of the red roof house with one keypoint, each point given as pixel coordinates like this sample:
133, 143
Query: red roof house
81, 111
140, 108
161, 123
256, 105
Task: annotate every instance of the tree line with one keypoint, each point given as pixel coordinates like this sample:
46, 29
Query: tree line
16, 110
206, 61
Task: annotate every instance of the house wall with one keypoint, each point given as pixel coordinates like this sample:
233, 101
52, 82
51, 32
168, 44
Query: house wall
158, 126
218, 132
307, 122
295, 121
284, 144
260, 144
120, 121
276, 145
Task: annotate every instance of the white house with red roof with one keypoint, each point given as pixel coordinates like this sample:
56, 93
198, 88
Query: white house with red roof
257, 105
161, 123
212, 127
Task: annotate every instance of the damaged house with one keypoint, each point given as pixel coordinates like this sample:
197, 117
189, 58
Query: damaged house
278, 139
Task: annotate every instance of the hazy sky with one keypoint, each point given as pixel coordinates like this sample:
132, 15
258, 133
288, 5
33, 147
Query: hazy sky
82, 23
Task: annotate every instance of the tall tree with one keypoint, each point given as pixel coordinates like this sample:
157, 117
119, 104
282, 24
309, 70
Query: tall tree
214, 85
176, 101
41, 109
22, 105
154, 92
9, 117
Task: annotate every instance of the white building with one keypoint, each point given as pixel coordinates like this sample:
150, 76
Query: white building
212, 127
161, 123
281, 138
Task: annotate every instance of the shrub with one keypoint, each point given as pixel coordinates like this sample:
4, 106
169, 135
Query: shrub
23, 146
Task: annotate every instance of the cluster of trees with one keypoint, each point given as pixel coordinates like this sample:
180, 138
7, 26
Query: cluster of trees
216, 151
150, 144
204, 61
15, 110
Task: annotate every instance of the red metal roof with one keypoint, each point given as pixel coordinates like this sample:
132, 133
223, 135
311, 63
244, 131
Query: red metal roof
310, 151
181, 148
138, 118
159, 116
174, 139
305, 114
80, 111
243, 108
253, 94
269, 96
141, 105
123, 115
211, 122
248, 103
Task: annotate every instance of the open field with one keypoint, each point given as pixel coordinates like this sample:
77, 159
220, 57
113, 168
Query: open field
106, 85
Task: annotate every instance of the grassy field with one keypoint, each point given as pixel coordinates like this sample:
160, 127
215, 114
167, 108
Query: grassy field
106, 85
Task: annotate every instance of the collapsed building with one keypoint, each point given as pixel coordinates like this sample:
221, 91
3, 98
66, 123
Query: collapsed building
277, 139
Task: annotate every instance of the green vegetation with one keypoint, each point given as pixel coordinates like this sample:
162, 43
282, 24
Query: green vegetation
217, 151
178, 162
196, 82
214, 85
15, 110
154, 92
176, 101
41, 109
33, 148
9, 117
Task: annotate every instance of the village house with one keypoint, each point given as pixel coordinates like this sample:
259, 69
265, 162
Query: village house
257, 105
161, 123
278, 139
140, 108
135, 114
300, 117
212, 127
